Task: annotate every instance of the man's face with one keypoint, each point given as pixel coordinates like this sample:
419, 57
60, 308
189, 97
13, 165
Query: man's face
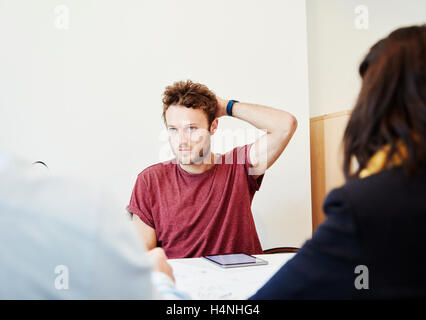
189, 134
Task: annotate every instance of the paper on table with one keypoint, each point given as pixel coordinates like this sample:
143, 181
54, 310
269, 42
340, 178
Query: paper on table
203, 281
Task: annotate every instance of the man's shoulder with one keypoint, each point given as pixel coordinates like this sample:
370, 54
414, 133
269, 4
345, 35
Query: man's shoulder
158, 169
237, 155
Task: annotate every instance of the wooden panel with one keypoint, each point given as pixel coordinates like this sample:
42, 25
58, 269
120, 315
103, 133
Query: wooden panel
317, 171
326, 159
333, 135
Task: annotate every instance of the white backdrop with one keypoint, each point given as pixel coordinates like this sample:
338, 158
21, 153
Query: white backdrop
81, 84
337, 46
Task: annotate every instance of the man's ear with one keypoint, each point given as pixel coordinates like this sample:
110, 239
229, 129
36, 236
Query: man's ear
213, 126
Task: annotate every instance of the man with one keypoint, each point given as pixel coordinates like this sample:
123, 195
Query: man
200, 202
59, 240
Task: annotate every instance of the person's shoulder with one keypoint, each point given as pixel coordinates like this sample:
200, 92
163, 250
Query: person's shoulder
375, 190
161, 168
237, 155
359, 188
384, 182
353, 193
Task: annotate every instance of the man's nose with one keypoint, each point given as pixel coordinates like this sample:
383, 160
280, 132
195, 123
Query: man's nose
184, 137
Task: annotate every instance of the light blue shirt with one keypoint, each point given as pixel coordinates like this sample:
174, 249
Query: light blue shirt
60, 239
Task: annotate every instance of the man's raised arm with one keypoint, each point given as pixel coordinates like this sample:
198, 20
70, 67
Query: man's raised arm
278, 124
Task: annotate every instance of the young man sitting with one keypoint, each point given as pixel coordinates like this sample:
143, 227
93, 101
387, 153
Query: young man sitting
200, 203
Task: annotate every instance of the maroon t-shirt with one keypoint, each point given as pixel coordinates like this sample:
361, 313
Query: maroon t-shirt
200, 214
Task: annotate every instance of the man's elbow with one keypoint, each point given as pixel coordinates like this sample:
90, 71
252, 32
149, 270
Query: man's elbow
293, 123
289, 126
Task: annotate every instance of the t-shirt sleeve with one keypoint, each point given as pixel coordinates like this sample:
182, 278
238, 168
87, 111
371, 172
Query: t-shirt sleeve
140, 202
243, 157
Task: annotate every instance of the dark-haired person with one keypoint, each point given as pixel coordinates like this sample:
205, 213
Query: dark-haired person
372, 243
200, 202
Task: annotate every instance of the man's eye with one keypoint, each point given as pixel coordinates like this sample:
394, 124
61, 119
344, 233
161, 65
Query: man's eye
192, 128
172, 129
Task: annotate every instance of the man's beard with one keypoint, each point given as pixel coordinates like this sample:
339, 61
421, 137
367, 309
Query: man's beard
199, 157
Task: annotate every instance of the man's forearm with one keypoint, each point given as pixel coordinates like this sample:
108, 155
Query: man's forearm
265, 118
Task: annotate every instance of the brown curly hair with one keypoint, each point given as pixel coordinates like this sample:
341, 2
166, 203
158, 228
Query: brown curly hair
191, 95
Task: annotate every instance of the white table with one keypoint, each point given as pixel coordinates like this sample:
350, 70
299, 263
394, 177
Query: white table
202, 280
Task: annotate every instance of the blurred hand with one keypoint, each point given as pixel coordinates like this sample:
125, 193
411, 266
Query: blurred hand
158, 256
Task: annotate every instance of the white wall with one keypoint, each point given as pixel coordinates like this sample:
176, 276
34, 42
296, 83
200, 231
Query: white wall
87, 99
336, 46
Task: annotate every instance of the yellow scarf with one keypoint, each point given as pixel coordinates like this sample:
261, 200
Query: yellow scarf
377, 161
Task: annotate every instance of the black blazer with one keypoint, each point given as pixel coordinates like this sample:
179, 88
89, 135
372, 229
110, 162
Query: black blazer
377, 223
